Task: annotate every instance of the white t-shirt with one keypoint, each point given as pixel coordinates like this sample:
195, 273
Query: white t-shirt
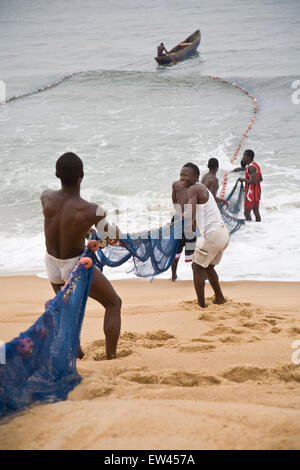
208, 216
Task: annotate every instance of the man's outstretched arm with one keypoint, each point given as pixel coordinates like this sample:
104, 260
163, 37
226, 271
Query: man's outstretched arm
105, 229
213, 187
253, 176
236, 170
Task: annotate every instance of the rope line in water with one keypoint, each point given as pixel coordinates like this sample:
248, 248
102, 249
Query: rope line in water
245, 135
38, 90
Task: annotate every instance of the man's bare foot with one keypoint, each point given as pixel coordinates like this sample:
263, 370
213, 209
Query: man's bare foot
174, 277
109, 357
202, 304
219, 301
80, 353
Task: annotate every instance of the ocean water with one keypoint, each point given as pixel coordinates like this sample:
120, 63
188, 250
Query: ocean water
135, 124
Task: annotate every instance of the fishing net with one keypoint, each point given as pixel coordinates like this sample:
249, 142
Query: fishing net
40, 364
151, 252
154, 251
231, 215
235, 198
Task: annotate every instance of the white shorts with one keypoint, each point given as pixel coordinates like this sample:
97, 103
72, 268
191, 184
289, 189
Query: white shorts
210, 248
58, 270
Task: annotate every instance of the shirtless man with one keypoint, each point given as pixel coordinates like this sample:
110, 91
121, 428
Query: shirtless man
179, 199
67, 220
211, 181
205, 216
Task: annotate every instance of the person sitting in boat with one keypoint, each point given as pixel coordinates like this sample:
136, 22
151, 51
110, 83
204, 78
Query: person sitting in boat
161, 49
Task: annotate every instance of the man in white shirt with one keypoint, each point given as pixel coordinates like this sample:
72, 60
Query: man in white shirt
205, 217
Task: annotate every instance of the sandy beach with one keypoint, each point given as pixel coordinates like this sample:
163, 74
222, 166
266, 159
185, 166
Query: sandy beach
185, 378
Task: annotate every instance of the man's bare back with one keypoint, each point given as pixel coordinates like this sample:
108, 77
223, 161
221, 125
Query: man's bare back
211, 182
68, 218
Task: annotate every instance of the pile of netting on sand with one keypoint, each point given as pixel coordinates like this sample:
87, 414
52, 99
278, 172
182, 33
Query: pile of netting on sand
40, 365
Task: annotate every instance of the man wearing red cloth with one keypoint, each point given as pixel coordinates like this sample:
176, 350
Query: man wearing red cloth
252, 180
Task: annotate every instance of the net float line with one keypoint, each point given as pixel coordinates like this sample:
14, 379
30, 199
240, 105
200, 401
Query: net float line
245, 134
39, 90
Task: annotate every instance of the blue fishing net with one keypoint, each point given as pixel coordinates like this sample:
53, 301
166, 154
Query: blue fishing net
235, 198
151, 252
41, 362
232, 222
231, 216
154, 251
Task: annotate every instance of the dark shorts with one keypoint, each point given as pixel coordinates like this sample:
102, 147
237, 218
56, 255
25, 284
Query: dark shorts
188, 242
189, 246
250, 205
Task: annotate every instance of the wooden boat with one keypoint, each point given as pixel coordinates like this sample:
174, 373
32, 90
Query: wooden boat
182, 51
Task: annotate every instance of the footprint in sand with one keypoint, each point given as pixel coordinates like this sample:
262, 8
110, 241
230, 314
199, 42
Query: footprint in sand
224, 329
156, 339
275, 330
293, 331
211, 317
197, 348
229, 335
191, 305
271, 321
129, 342
253, 325
230, 339
242, 374
276, 317
235, 320
120, 353
95, 351
203, 340
285, 373
175, 378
